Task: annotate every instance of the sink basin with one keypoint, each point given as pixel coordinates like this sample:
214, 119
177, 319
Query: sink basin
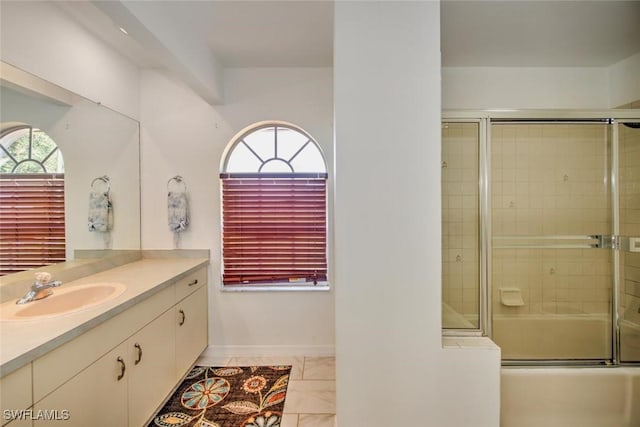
64, 300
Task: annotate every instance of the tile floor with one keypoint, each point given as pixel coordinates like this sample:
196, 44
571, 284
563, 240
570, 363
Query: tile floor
311, 395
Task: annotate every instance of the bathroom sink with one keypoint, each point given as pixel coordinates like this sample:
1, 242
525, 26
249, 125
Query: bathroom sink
63, 301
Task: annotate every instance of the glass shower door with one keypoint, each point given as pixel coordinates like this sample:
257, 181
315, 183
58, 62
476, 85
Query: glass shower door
551, 277
460, 219
629, 241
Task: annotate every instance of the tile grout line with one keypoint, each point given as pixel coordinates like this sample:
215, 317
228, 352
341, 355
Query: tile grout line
304, 365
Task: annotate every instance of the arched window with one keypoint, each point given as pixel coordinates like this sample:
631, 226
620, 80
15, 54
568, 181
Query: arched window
32, 225
274, 208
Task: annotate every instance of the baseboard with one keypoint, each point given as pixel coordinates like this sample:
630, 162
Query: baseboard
269, 350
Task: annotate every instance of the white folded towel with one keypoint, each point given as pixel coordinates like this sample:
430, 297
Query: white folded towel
100, 211
178, 211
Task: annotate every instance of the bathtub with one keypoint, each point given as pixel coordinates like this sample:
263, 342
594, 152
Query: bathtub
630, 341
553, 336
451, 319
570, 397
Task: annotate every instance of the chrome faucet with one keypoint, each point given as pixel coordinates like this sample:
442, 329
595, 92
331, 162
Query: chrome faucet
40, 289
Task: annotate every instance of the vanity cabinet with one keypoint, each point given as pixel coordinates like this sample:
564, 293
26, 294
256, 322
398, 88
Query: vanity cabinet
120, 372
23, 422
15, 395
136, 375
150, 367
95, 397
191, 337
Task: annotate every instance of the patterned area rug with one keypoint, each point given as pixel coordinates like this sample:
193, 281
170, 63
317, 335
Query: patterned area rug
227, 397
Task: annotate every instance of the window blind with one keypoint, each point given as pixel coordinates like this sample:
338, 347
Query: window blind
274, 228
32, 225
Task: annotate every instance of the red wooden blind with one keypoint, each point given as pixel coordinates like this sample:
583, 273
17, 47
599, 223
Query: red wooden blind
32, 232
274, 229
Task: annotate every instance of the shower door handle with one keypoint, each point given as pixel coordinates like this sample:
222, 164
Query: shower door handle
626, 243
591, 241
602, 241
630, 244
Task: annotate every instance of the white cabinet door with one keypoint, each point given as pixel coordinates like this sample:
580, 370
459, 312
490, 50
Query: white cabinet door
96, 397
15, 395
25, 420
151, 367
191, 330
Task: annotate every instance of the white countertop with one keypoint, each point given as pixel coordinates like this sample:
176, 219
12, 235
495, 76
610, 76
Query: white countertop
22, 341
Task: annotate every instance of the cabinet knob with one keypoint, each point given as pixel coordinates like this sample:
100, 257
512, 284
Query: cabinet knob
183, 317
123, 368
195, 282
137, 347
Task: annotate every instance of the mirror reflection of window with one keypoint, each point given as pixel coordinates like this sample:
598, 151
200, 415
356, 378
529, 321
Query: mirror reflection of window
32, 221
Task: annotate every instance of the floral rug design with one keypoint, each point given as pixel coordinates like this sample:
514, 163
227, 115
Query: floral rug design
227, 397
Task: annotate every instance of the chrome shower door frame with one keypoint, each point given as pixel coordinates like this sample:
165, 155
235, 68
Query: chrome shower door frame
484, 118
484, 239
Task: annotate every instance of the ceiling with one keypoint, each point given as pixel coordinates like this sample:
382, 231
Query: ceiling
269, 33
202, 36
584, 33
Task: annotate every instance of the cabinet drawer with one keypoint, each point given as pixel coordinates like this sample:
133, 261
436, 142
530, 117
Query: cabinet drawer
15, 391
191, 283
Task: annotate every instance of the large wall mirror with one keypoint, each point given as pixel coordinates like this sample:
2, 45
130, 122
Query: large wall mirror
94, 141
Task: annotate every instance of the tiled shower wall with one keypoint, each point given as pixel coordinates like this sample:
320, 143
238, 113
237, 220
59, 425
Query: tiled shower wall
551, 180
630, 226
460, 258
630, 219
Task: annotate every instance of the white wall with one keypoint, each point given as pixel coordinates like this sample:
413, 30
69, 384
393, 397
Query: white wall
39, 38
391, 367
184, 135
519, 87
540, 87
624, 81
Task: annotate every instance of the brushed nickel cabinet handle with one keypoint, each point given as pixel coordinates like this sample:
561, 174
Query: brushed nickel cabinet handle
137, 347
123, 368
195, 282
183, 317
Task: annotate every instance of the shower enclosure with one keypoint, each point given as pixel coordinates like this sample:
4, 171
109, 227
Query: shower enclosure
541, 233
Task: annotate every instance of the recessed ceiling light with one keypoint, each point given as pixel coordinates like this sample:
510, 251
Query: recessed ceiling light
123, 30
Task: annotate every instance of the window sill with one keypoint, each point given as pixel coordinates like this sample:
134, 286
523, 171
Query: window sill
320, 287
